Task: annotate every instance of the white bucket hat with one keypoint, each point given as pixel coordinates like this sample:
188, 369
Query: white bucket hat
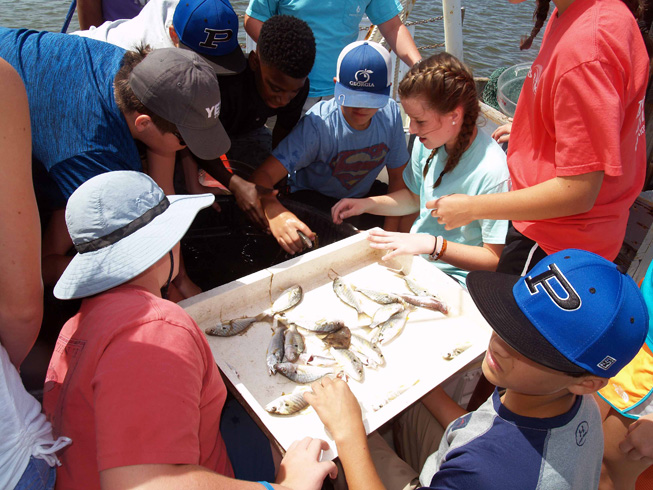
121, 223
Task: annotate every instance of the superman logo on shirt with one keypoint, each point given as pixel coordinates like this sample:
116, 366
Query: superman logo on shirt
351, 166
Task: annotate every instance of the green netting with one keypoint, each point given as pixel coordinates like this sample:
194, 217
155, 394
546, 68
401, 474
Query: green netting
490, 90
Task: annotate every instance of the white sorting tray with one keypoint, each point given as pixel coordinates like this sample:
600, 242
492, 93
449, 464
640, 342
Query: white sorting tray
414, 359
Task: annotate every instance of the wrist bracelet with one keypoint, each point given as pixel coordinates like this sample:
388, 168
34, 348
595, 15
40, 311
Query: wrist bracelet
437, 249
266, 485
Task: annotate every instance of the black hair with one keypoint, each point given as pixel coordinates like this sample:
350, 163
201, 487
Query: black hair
288, 44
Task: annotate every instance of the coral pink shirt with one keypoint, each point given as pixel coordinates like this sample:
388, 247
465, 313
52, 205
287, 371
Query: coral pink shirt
582, 110
133, 381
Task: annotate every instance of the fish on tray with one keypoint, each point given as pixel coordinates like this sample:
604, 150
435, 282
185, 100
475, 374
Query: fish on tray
288, 298
352, 366
233, 327
346, 295
275, 350
340, 339
302, 374
293, 344
290, 403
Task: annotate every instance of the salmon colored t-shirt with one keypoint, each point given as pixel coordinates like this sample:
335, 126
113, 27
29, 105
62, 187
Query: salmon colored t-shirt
581, 110
132, 381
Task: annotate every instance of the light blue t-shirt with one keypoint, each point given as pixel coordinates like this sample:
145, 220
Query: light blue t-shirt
334, 24
77, 129
481, 170
324, 153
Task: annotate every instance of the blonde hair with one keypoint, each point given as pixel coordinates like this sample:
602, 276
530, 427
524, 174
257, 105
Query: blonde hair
445, 83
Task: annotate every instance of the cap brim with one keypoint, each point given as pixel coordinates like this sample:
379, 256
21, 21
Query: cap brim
492, 294
94, 272
228, 64
359, 98
207, 144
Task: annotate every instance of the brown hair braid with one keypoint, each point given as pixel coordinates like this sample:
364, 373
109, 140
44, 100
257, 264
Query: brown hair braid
445, 83
542, 10
126, 100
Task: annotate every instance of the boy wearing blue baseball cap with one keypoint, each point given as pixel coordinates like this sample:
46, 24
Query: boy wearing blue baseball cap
559, 334
132, 379
339, 148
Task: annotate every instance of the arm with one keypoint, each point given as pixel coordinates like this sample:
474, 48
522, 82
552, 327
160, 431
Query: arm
502, 133
283, 224
395, 183
554, 198
161, 167
21, 289
467, 257
442, 407
398, 203
252, 27
89, 13
340, 412
400, 40
638, 443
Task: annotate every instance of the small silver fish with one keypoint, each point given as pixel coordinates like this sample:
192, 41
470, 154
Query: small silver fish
456, 351
293, 344
275, 349
368, 349
288, 298
233, 327
415, 287
320, 326
346, 295
290, 403
428, 302
308, 243
316, 360
383, 314
350, 363
302, 374
380, 297
392, 328
381, 402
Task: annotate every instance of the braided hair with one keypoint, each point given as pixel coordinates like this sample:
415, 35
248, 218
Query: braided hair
542, 11
445, 83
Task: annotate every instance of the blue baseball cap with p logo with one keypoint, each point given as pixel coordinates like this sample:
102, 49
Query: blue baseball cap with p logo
210, 28
573, 312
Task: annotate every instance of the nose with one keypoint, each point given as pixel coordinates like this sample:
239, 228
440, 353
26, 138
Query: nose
499, 346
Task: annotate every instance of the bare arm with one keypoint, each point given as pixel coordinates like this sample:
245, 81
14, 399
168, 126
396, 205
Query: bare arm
398, 203
161, 167
400, 40
395, 183
283, 224
340, 412
21, 289
554, 198
442, 407
252, 27
89, 13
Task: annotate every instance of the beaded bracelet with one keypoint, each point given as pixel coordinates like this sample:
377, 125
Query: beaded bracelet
439, 248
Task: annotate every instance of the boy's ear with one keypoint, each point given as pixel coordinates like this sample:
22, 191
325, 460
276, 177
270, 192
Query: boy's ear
254, 62
173, 36
142, 122
587, 385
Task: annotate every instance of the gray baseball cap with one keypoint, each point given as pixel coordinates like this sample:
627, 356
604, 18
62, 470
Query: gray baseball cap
182, 88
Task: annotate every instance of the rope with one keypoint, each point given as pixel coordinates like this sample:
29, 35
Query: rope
69, 16
431, 46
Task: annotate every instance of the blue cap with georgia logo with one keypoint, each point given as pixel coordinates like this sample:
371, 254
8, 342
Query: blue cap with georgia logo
364, 75
210, 28
573, 312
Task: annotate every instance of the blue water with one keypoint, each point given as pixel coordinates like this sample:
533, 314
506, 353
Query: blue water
491, 28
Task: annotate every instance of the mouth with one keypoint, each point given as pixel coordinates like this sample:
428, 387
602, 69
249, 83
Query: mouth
492, 361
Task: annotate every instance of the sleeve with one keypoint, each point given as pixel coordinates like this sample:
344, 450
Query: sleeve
302, 145
380, 11
497, 180
413, 172
288, 117
146, 392
588, 115
262, 9
398, 155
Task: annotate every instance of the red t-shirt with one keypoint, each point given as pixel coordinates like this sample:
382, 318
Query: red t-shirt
582, 110
132, 381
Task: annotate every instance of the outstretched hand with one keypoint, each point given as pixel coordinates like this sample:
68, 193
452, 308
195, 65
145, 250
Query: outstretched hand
346, 208
301, 468
247, 198
284, 226
401, 243
452, 211
337, 408
502, 133
638, 443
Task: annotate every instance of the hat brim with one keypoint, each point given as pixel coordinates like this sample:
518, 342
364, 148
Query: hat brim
361, 98
207, 144
94, 272
228, 64
492, 294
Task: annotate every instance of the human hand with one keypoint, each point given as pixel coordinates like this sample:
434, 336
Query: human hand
346, 208
502, 133
452, 211
400, 243
301, 468
337, 408
247, 198
284, 226
638, 443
